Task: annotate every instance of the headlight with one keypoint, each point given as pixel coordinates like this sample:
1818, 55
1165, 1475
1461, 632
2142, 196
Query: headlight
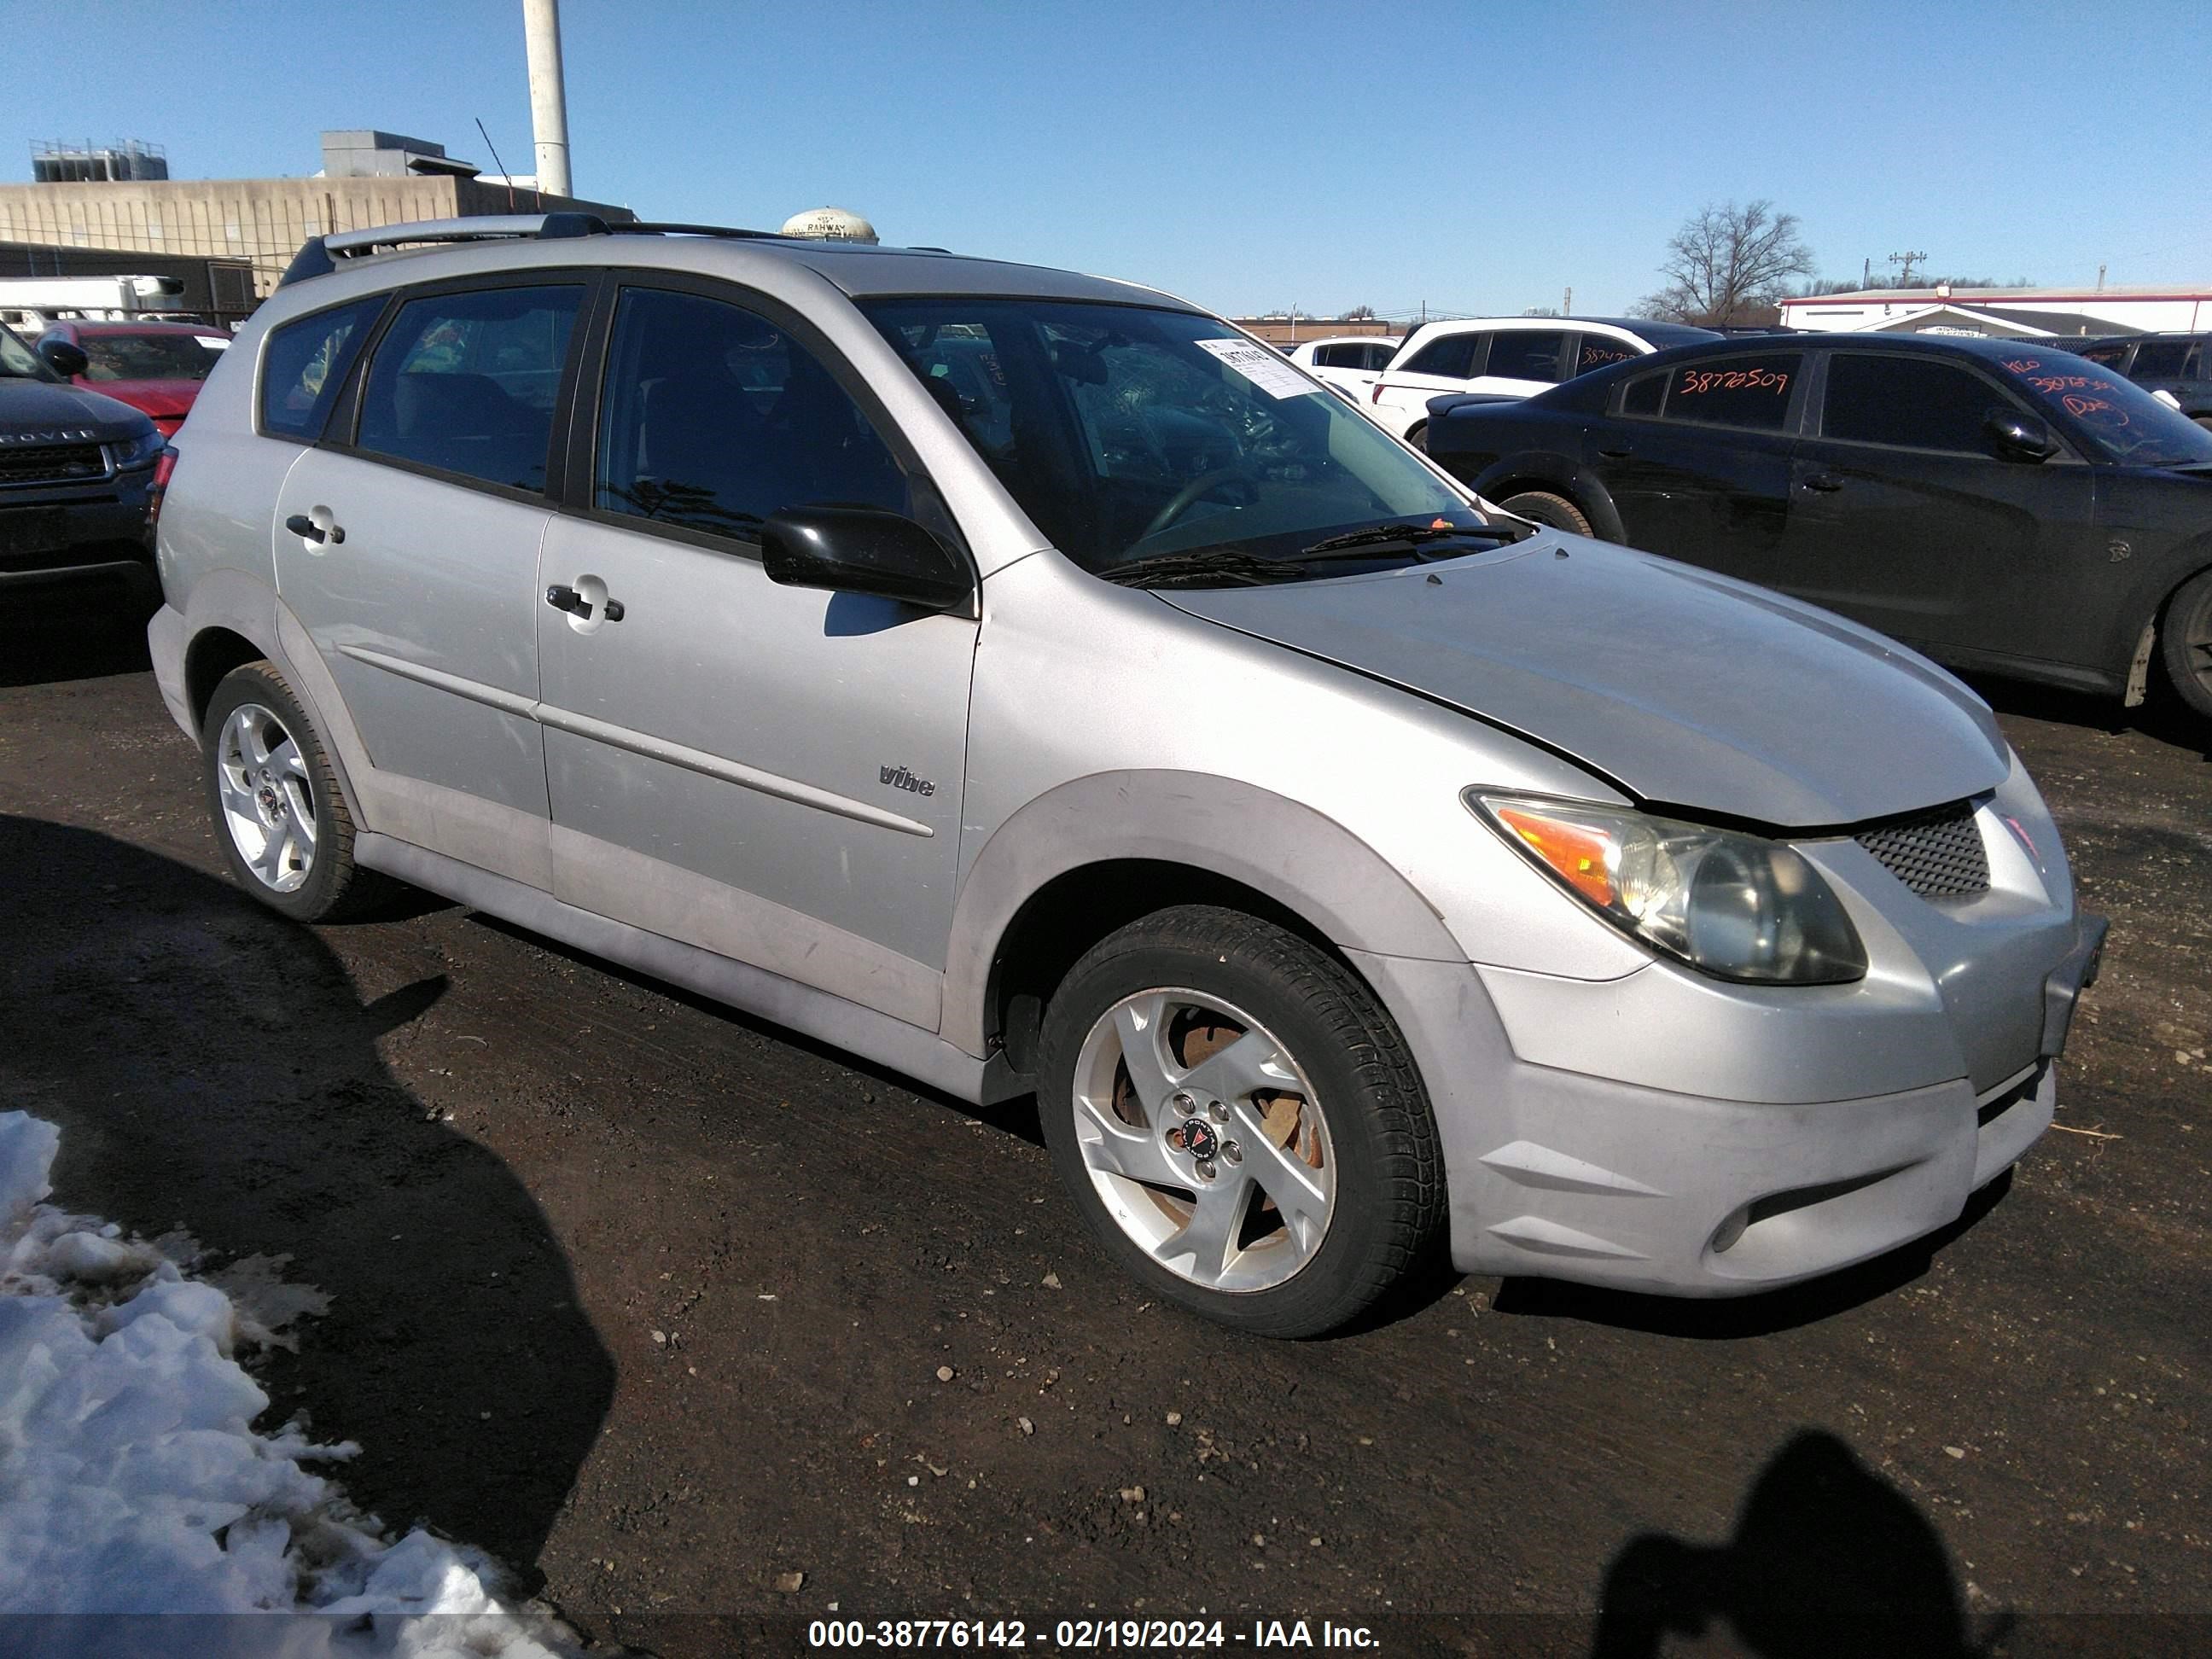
1737, 906
137, 451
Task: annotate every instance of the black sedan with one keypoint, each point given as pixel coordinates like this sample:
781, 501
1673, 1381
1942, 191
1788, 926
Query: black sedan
1999, 506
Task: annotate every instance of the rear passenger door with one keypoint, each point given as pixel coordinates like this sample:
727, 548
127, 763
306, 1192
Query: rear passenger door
407, 543
1697, 459
770, 773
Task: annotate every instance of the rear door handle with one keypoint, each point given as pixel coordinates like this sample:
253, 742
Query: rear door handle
321, 525
1825, 482
1620, 454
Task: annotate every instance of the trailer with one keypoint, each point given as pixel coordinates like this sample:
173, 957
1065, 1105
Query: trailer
28, 304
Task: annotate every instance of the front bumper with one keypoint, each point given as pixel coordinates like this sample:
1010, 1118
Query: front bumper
49, 538
1565, 1175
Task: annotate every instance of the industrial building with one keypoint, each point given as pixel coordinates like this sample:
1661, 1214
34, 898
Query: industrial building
102, 199
2006, 313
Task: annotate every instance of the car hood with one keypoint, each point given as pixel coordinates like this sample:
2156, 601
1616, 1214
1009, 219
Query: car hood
162, 398
1690, 690
37, 411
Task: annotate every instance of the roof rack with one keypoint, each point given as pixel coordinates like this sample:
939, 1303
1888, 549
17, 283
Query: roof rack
318, 255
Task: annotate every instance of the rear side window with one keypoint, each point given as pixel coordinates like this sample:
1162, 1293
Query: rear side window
2111, 356
1533, 355
1597, 350
713, 418
1643, 395
304, 362
466, 382
1913, 402
2160, 360
1377, 356
1453, 358
1745, 392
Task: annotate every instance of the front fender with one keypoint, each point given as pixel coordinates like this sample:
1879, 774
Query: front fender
1310, 864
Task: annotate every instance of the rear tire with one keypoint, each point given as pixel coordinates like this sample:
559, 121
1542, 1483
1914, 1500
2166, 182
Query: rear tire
1419, 437
285, 827
2185, 643
1547, 508
1239, 1121
2201, 420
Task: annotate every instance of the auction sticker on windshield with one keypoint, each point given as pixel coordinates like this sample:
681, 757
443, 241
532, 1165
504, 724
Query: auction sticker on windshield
1264, 369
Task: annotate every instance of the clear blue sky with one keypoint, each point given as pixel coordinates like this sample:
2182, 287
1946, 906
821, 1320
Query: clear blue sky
1474, 156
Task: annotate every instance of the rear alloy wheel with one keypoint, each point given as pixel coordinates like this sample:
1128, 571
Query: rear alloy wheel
281, 820
1239, 1121
2186, 643
1547, 508
1419, 437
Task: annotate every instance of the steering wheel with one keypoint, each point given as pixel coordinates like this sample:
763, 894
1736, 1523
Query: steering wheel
1204, 485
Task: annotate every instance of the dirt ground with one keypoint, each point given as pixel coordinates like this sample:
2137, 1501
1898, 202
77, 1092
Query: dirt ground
658, 1303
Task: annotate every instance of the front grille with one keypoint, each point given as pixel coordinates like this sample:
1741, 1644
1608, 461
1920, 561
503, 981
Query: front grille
1937, 854
52, 463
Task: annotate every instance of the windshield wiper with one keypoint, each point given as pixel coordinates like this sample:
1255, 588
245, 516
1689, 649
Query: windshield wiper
1201, 562
1416, 535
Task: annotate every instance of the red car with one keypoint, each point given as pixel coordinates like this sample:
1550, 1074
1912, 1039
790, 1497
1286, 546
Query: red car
154, 367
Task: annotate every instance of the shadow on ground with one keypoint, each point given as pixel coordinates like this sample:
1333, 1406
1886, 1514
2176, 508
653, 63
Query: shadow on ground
60, 635
218, 1073
1828, 1561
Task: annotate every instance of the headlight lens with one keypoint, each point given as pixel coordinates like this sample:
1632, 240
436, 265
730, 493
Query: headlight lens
137, 451
1738, 907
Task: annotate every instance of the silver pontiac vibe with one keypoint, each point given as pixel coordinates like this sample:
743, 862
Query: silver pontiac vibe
1030, 683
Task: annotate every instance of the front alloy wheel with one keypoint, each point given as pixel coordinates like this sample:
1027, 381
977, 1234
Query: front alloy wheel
1239, 1121
1204, 1139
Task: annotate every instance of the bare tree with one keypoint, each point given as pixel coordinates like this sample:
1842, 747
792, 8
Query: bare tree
1730, 264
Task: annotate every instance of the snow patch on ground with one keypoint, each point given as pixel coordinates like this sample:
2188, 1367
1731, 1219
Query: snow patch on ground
132, 1481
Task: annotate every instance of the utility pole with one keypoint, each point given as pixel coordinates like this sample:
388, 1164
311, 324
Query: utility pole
2101, 276
549, 97
1567, 304
1907, 259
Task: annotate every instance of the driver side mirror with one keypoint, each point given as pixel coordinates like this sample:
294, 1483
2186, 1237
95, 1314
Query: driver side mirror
861, 549
65, 359
2020, 437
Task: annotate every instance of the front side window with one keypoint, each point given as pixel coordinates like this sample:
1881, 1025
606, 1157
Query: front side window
2112, 355
1337, 356
467, 382
1913, 402
713, 418
1453, 358
1377, 356
1597, 351
304, 362
1128, 432
1527, 354
149, 356
1744, 391
2124, 422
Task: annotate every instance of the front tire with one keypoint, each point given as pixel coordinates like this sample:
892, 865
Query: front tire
2185, 643
1547, 508
1239, 1121
285, 825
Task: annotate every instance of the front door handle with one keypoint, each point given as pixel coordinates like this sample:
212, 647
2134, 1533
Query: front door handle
1620, 453
320, 525
561, 597
1826, 483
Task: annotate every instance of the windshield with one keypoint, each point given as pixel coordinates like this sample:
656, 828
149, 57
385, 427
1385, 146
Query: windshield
17, 360
148, 357
1128, 434
2125, 421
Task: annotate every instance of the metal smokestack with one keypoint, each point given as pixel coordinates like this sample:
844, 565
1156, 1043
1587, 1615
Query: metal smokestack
548, 99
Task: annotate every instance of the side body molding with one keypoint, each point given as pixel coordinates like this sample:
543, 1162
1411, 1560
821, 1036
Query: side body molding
1302, 860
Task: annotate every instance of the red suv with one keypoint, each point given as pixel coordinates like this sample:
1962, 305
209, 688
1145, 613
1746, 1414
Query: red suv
154, 367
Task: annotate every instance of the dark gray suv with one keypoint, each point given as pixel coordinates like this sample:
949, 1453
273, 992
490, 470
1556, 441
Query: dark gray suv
77, 474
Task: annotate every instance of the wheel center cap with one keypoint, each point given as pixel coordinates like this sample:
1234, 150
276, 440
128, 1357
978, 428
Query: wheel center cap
1198, 1139
270, 806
